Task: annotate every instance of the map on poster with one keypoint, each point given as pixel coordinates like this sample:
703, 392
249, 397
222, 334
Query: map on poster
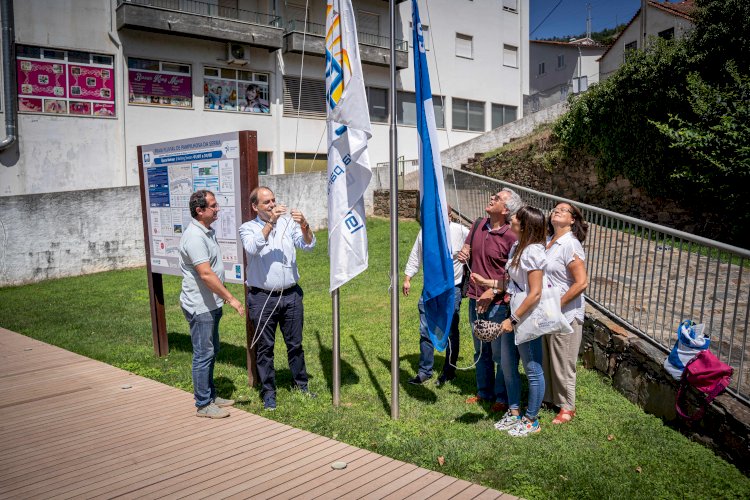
172, 171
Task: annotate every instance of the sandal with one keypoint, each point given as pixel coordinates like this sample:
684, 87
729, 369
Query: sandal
564, 416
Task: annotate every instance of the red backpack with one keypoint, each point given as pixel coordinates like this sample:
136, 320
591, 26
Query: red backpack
707, 374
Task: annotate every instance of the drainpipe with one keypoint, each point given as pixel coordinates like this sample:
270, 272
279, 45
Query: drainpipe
9, 72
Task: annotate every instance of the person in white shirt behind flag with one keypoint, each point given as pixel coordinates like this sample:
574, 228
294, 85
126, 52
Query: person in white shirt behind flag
458, 234
274, 297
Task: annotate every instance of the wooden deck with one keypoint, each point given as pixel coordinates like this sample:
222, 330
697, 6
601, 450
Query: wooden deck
72, 427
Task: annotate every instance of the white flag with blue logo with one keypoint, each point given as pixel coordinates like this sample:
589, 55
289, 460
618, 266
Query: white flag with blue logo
438, 293
348, 132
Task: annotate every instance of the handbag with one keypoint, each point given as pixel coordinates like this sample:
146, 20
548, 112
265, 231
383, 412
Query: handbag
467, 265
545, 319
707, 374
486, 330
690, 342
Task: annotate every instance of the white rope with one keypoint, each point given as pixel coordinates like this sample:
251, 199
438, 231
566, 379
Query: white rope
299, 95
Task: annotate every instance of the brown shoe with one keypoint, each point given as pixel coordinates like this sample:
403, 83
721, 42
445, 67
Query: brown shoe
499, 407
474, 399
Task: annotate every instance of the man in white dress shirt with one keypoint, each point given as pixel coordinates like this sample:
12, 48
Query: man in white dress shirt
274, 297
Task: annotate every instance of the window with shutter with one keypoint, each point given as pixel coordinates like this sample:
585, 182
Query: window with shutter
510, 56
464, 46
406, 108
310, 103
510, 5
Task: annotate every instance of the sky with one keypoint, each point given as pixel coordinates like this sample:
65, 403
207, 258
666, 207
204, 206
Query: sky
569, 18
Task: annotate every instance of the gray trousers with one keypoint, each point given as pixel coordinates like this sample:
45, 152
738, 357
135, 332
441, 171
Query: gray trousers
560, 357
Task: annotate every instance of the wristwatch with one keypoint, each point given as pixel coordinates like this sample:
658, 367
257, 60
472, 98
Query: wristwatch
496, 291
513, 320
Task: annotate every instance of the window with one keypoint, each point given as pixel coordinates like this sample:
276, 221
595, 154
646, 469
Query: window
159, 83
502, 114
468, 115
667, 34
263, 157
437, 105
510, 5
65, 82
510, 56
377, 102
406, 108
235, 90
541, 69
630, 47
464, 46
310, 103
561, 61
305, 162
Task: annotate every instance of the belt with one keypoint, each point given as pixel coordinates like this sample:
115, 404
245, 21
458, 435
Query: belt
274, 293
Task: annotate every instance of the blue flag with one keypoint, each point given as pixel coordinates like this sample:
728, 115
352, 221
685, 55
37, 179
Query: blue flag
438, 293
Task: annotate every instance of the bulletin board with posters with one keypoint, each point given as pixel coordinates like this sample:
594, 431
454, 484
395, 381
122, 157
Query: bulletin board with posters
227, 165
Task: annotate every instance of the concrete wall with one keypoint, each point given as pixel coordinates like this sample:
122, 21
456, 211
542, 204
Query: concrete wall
455, 156
635, 367
54, 235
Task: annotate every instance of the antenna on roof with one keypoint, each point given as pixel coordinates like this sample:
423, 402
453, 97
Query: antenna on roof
588, 21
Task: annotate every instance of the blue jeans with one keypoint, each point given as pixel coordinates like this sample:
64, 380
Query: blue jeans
427, 350
490, 384
204, 332
531, 356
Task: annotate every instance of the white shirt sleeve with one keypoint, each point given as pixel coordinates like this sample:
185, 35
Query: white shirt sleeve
415, 257
534, 257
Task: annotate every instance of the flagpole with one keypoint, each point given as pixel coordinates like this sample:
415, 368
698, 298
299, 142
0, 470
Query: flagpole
336, 354
394, 223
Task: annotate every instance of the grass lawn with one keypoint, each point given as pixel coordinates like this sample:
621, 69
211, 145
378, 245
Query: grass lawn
612, 449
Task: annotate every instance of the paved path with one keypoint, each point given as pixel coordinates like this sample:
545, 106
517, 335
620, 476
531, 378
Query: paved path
72, 427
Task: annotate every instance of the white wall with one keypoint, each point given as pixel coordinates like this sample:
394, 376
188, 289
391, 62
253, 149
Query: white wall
547, 52
65, 153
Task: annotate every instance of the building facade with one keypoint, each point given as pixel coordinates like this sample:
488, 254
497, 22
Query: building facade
96, 78
558, 69
661, 19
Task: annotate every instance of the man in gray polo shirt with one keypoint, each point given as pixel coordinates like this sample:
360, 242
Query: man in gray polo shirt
203, 294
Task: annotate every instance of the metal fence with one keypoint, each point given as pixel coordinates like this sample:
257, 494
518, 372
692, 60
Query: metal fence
647, 276
210, 10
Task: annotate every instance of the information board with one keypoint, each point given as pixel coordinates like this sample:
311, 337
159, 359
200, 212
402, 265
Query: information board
172, 171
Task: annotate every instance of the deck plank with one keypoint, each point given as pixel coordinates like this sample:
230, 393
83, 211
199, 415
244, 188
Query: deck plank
73, 427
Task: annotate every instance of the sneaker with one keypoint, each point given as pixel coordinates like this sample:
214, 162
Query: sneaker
269, 403
475, 399
418, 380
442, 380
306, 392
508, 421
222, 403
525, 427
211, 411
499, 407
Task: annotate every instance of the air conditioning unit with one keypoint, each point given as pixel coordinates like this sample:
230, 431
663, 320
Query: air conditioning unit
237, 54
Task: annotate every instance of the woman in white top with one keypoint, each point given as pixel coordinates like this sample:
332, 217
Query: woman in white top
566, 230
525, 267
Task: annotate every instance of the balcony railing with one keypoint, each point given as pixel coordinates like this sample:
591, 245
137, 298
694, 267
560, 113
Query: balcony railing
297, 26
208, 10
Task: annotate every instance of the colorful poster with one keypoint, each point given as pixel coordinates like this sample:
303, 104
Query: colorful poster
148, 87
41, 79
220, 94
92, 83
61, 88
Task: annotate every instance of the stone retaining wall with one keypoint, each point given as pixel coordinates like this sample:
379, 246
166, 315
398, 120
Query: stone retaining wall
635, 367
408, 203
